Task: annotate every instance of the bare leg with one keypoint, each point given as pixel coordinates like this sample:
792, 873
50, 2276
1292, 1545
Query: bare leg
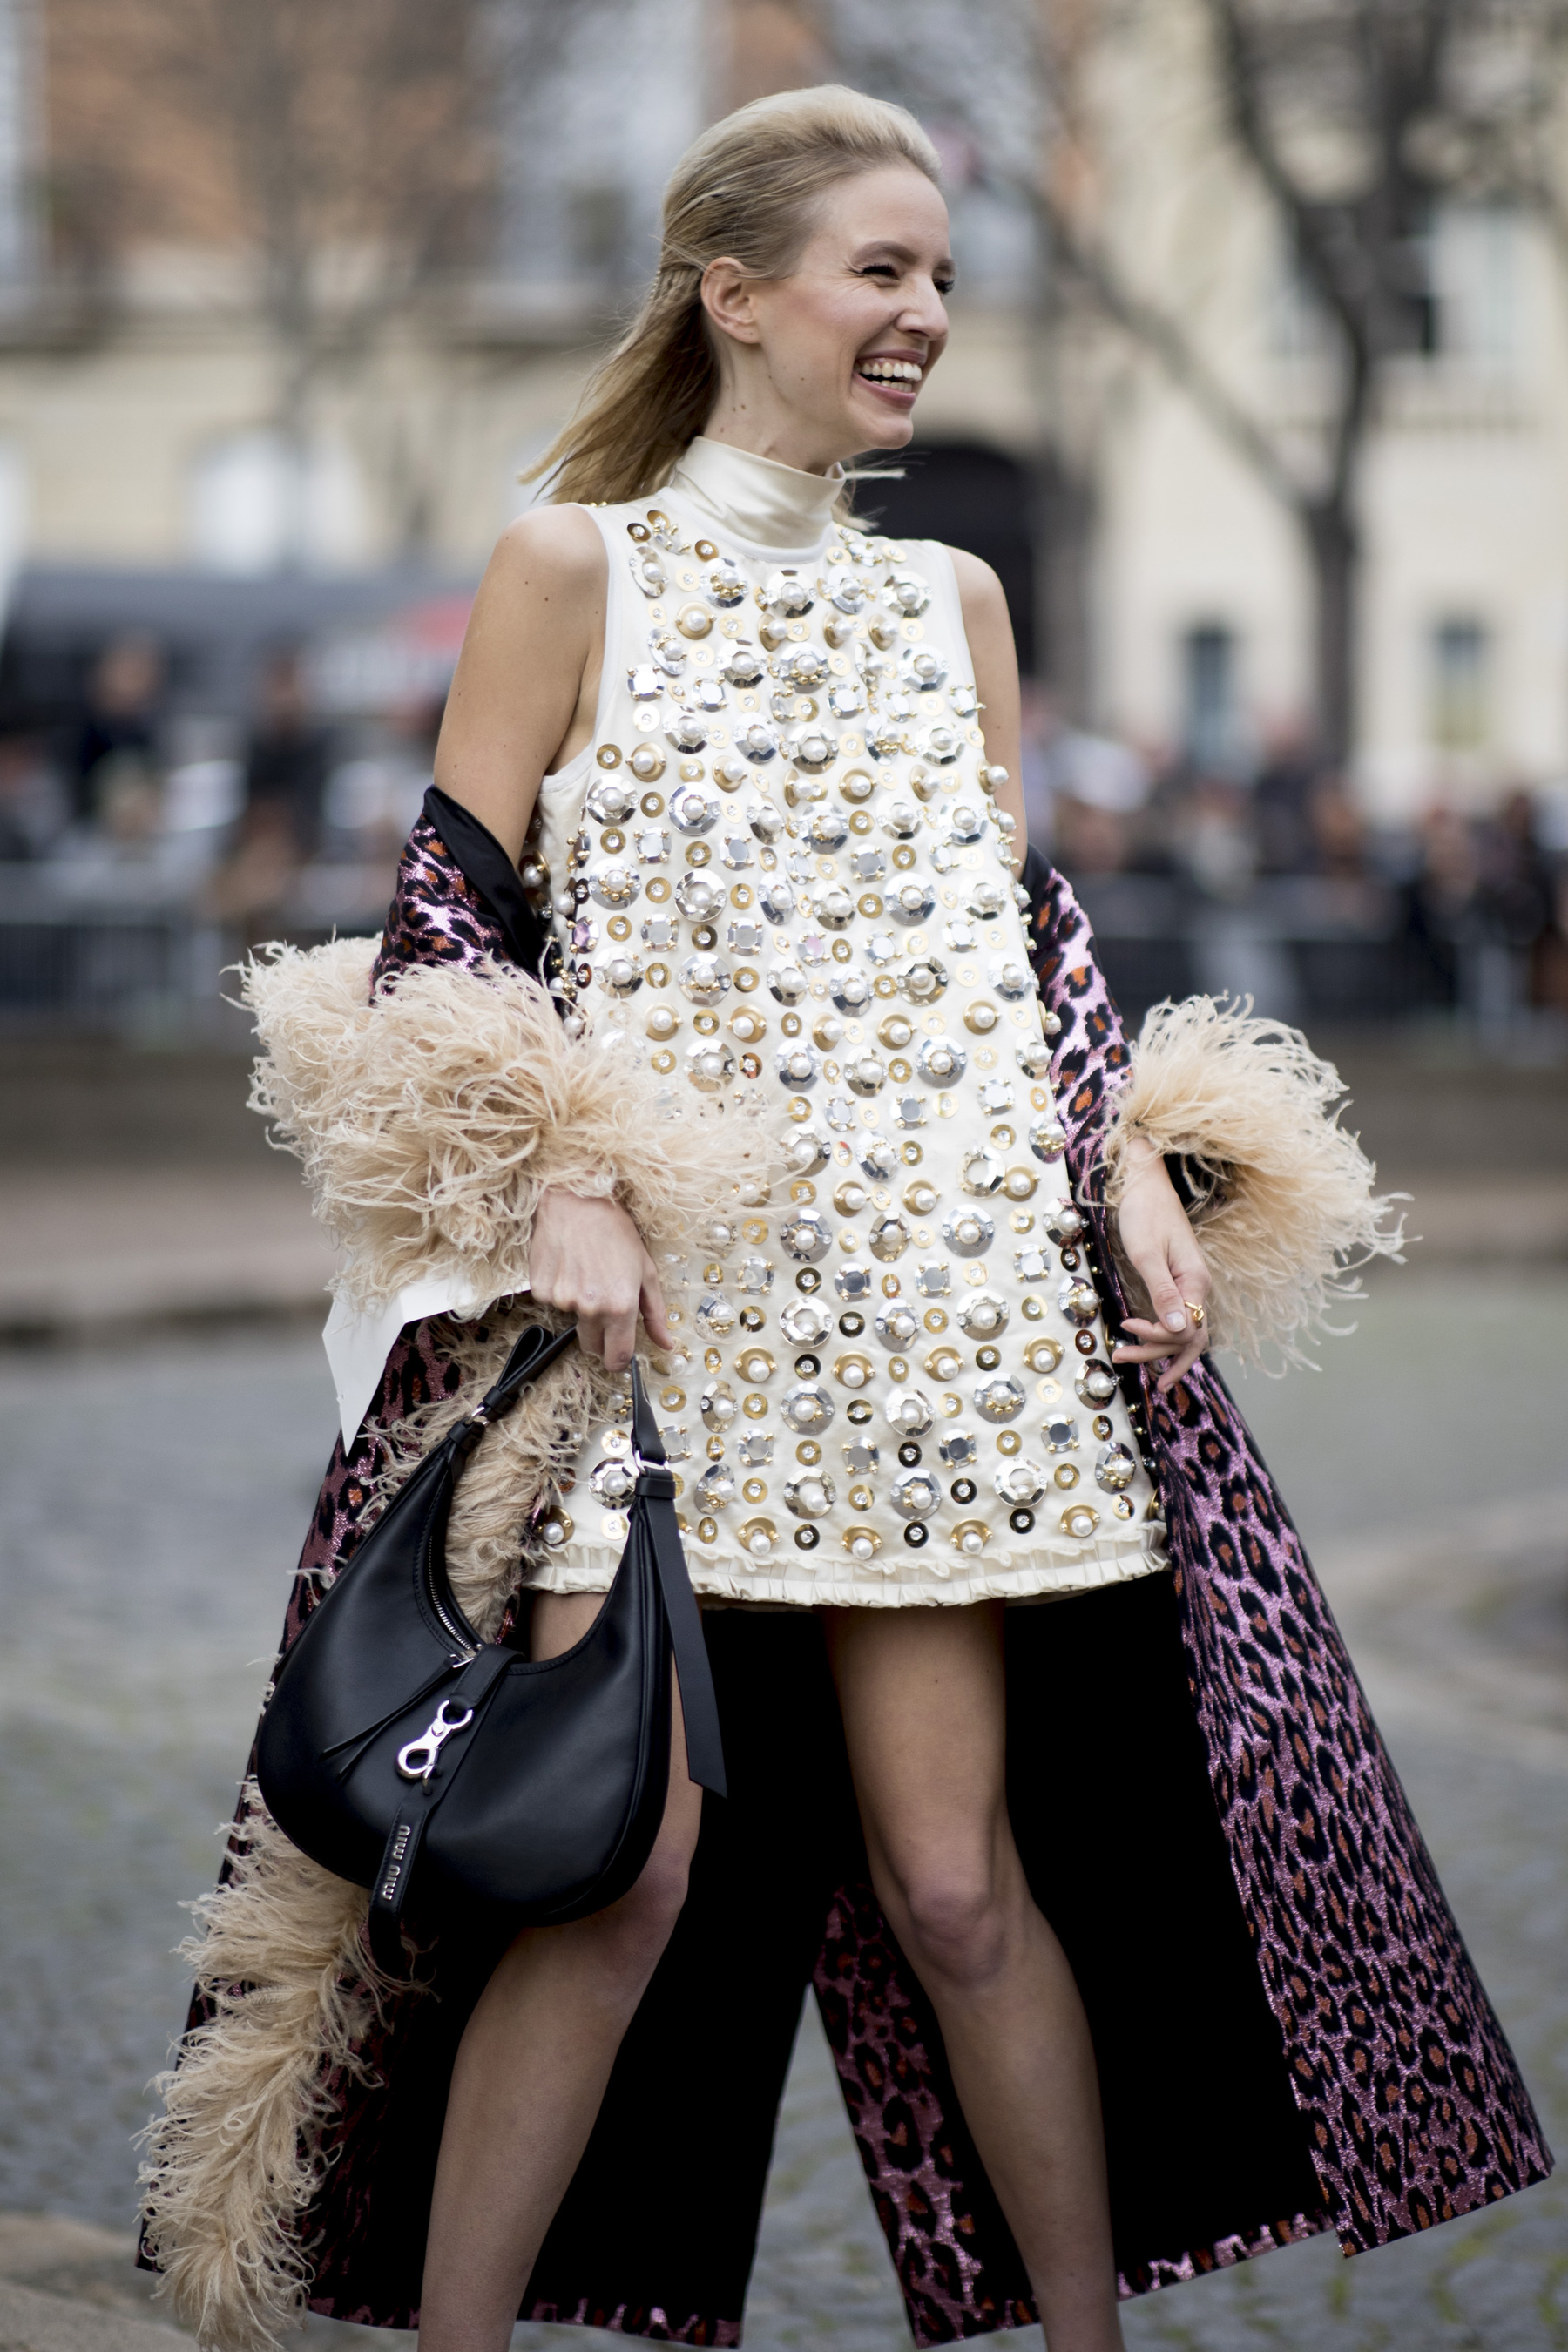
533, 2063
922, 1698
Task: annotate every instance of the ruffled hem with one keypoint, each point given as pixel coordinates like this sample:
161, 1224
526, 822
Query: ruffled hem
913, 1581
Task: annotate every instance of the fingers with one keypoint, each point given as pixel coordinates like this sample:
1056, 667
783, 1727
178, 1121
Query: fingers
1153, 1343
655, 1320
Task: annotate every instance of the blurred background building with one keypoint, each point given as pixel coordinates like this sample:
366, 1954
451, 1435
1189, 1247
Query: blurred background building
1257, 399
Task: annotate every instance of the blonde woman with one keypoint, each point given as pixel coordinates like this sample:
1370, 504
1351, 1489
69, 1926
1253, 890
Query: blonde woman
1118, 1867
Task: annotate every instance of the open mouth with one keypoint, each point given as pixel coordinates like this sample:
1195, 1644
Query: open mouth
896, 378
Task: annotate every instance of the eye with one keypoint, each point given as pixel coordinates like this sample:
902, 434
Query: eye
878, 269
945, 286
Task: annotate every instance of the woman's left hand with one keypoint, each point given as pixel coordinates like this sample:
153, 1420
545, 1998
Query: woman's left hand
1159, 1243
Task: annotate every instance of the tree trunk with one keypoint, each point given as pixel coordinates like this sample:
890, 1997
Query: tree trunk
1334, 546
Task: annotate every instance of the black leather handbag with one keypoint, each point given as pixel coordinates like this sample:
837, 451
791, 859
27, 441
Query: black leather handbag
395, 1739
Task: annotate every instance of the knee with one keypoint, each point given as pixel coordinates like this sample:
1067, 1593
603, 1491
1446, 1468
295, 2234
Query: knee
951, 1918
628, 1939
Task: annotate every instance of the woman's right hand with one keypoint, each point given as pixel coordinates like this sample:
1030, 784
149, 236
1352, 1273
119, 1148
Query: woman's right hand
587, 1257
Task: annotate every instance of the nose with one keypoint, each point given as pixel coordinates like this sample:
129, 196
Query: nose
924, 313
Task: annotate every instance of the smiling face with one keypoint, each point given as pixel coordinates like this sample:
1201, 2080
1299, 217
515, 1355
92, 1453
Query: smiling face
829, 360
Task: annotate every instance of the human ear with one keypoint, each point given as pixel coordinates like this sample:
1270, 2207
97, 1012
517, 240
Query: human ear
730, 299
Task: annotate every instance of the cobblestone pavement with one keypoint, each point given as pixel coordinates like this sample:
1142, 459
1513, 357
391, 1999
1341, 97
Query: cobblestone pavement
151, 1505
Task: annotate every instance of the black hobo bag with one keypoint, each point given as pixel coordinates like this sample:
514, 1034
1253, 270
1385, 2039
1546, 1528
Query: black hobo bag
395, 1741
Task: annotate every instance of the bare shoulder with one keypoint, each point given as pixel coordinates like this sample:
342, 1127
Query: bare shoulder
551, 551
980, 593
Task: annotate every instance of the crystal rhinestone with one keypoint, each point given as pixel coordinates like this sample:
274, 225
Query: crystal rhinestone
726, 585
786, 982
1010, 976
804, 1235
715, 1316
924, 981
998, 1398
615, 886
717, 1404
676, 1442
912, 902
829, 827
986, 900
1047, 1136
847, 699
897, 1325
1095, 1384
983, 1173
839, 1112
652, 844
804, 1324
797, 1065
995, 1095
910, 1110
736, 852
922, 668
878, 1157
889, 1237
709, 1065
1077, 1300
757, 741
787, 592
814, 946
960, 937
959, 1448
940, 1061
963, 702
915, 1494
1031, 1264
611, 800
622, 974
645, 683
703, 978
755, 1452
861, 1456
660, 931
933, 1278
806, 1407
906, 592
745, 935
1060, 1436
982, 1314
715, 1488
881, 947
967, 1231
868, 865
1020, 1482
1063, 1222
852, 1282
754, 1276
614, 1482
698, 899
1114, 1468
865, 1074
708, 694
693, 809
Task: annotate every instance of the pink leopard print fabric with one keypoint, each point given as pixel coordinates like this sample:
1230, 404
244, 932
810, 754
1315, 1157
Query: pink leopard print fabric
1412, 2098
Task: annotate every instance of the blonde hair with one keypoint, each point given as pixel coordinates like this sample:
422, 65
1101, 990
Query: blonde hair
748, 188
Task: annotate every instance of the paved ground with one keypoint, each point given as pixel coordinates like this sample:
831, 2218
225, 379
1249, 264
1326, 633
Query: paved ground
151, 1498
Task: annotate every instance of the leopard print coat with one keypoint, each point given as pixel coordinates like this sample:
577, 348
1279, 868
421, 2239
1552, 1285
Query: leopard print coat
1384, 2082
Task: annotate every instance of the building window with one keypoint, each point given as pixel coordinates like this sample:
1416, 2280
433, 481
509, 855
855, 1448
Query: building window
257, 505
1460, 658
1208, 664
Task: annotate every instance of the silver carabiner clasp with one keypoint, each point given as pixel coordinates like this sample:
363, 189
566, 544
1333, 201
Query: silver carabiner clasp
418, 1759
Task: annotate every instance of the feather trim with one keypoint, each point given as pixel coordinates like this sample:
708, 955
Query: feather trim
237, 2154
1291, 1211
430, 1118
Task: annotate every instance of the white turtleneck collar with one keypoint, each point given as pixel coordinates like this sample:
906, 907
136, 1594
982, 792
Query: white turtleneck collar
771, 507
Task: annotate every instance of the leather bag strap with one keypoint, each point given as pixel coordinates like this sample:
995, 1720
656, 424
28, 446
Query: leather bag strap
698, 1702
409, 1822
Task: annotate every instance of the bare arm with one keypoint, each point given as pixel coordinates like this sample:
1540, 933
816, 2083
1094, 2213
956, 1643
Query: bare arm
527, 684
989, 629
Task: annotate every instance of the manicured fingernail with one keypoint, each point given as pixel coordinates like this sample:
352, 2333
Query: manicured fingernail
1176, 1322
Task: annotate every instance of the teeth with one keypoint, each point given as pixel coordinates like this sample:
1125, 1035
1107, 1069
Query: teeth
893, 370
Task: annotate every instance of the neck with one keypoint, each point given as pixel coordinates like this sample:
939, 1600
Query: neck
784, 440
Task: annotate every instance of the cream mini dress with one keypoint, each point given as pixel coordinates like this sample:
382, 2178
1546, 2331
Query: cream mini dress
779, 868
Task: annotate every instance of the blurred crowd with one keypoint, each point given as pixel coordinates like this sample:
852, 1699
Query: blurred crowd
1475, 894
297, 820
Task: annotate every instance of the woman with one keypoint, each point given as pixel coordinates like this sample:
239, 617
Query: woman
734, 743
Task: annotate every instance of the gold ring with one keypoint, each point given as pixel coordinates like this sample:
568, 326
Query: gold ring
1196, 1312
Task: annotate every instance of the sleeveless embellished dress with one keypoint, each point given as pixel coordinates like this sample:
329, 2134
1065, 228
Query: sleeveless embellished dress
780, 868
